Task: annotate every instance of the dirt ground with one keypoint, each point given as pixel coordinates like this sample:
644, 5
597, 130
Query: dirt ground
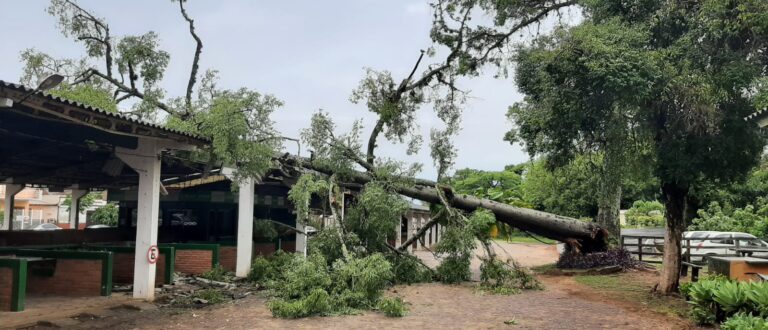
564, 304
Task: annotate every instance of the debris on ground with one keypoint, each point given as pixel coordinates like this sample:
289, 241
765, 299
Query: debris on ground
189, 291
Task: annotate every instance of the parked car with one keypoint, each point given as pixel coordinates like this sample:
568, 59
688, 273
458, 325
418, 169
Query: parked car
707, 243
181, 219
45, 227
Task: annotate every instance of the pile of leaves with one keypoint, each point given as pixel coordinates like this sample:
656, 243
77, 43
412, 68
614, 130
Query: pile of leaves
718, 299
498, 277
301, 287
612, 257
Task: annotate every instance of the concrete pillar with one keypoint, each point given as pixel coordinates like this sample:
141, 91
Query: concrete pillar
301, 239
74, 207
145, 160
244, 227
10, 192
425, 242
411, 228
398, 232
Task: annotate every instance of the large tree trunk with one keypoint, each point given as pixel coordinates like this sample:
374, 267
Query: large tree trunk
609, 190
580, 236
674, 203
608, 203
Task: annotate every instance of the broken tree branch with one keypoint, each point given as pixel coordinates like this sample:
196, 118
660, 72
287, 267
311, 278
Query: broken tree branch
195, 61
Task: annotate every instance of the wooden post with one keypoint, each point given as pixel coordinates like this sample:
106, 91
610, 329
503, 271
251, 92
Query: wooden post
738, 245
640, 248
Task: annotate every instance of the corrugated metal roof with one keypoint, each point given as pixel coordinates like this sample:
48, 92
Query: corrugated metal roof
756, 114
132, 119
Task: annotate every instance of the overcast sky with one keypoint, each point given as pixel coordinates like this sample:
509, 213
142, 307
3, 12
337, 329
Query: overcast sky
310, 54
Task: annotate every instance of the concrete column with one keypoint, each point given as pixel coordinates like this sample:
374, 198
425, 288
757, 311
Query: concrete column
301, 239
10, 192
74, 207
145, 160
244, 227
426, 235
398, 231
429, 240
411, 228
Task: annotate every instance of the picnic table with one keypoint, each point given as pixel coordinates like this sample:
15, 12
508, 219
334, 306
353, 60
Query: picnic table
748, 251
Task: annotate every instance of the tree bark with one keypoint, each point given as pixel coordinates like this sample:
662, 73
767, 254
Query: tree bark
675, 204
580, 236
608, 203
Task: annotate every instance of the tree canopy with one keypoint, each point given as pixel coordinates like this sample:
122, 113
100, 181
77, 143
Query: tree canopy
681, 77
122, 73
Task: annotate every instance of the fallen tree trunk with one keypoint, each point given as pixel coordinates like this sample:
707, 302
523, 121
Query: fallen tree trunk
579, 236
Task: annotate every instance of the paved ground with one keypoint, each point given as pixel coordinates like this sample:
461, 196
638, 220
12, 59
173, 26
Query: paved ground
564, 304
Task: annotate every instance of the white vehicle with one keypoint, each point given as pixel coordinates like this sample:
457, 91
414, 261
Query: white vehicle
45, 227
706, 243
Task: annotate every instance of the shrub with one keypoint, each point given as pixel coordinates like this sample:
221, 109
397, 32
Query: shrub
300, 276
360, 281
261, 270
270, 268
408, 270
212, 296
717, 298
498, 277
704, 307
393, 307
646, 214
758, 298
613, 257
303, 287
454, 269
747, 219
742, 321
317, 302
105, 215
456, 247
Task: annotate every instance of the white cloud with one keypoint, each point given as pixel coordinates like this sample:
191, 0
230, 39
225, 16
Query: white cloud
418, 8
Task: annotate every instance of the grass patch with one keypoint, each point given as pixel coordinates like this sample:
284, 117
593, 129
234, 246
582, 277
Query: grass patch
628, 288
544, 269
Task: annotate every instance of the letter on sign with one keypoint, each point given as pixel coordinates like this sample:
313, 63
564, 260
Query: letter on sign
152, 254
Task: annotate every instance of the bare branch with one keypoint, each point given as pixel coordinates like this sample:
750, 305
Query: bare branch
419, 234
125, 89
195, 61
370, 156
107, 41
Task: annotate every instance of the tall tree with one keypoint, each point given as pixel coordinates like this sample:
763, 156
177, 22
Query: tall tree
681, 75
469, 48
119, 68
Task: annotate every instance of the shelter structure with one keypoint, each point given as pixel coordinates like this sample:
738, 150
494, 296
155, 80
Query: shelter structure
51, 142
171, 209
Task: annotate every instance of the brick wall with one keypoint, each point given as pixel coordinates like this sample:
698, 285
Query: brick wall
193, 261
263, 249
122, 271
288, 246
6, 288
72, 277
228, 257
